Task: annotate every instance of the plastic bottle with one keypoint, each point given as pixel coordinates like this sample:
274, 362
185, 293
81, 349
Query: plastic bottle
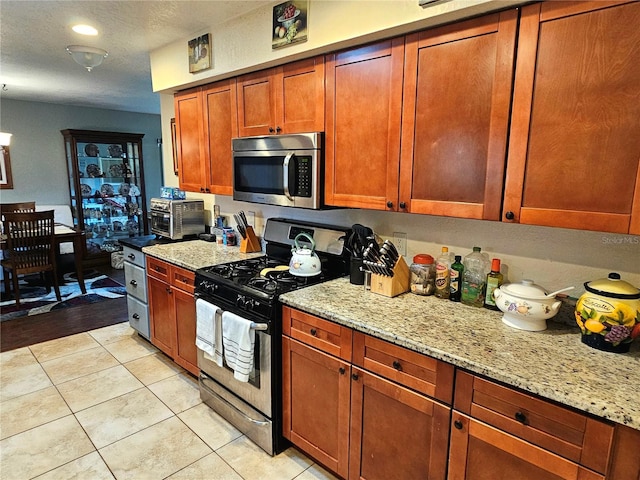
494, 280
456, 273
474, 278
443, 264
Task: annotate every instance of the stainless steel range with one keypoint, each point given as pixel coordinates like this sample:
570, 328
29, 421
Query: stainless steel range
250, 289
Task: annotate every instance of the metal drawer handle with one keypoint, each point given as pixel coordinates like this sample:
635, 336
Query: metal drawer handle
135, 316
521, 417
397, 365
134, 283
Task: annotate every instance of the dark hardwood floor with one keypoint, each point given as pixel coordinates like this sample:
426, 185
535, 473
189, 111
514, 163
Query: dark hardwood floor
25, 331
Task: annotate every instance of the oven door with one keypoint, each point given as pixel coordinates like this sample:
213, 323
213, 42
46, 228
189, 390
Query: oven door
246, 405
161, 223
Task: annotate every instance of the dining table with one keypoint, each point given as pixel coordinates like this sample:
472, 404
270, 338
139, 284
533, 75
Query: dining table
64, 234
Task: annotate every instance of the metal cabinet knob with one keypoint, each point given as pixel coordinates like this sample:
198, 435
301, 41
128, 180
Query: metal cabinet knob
354, 376
403, 205
134, 283
342, 370
509, 215
389, 204
521, 417
132, 256
136, 316
313, 332
457, 424
397, 365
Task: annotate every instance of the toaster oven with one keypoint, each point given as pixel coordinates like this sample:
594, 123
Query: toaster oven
177, 219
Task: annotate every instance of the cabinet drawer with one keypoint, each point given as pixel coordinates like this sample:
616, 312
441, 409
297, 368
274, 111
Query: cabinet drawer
325, 335
139, 316
183, 279
570, 434
411, 369
136, 281
134, 256
158, 269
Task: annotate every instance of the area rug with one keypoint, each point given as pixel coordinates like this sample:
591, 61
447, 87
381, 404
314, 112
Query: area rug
35, 300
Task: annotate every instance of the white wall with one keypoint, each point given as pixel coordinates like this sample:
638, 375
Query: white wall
38, 163
552, 257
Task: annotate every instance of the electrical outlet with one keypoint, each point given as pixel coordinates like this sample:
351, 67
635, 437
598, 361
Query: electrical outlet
400, 241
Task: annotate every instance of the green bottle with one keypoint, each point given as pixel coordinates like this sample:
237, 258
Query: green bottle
455, 282
494, 280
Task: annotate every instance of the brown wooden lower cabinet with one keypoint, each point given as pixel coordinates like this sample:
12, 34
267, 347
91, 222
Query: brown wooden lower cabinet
369, 413
481, 452
395, 432
172, 312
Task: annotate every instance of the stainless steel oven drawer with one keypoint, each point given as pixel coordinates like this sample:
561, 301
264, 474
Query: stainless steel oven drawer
136, 280
139, 316
248, 420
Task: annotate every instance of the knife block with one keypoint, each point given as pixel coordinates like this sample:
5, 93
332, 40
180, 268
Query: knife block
250, 243
392, 286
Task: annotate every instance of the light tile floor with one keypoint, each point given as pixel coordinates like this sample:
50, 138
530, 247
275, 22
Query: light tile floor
107, 404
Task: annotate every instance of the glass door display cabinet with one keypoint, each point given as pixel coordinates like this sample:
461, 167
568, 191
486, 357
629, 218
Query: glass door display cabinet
107, 188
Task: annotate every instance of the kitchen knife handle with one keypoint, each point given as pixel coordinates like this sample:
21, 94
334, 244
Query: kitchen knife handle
286, 175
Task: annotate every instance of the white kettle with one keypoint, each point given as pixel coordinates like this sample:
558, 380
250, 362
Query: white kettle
304, 261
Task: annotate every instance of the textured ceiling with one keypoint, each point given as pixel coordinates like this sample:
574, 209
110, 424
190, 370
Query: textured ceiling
35, 66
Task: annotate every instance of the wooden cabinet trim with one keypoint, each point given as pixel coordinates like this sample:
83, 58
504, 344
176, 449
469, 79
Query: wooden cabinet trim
562, 9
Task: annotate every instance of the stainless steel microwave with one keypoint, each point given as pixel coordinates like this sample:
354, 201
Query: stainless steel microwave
283, 170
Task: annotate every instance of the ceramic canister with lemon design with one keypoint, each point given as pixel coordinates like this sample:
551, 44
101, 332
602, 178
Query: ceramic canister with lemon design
608, 314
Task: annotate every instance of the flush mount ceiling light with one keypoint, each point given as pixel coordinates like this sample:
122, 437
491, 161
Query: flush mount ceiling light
88, 57
85, 30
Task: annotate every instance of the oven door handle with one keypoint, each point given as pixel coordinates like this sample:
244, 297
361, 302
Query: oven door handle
286, 175
254, 326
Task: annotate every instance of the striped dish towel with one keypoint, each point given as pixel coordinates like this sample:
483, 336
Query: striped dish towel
238, 339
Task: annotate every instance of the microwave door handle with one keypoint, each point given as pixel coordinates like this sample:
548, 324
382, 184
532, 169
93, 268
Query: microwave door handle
286, 175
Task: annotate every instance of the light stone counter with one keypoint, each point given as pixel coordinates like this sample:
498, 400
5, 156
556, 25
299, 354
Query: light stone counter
554, 363
196, 254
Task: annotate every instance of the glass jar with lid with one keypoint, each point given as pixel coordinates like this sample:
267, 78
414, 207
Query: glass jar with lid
423, 274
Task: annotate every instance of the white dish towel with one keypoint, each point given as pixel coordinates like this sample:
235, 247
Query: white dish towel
239, 339
209, 330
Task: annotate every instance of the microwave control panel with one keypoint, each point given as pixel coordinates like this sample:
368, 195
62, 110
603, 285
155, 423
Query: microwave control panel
304, 174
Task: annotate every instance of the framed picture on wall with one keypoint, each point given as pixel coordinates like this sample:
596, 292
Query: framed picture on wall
290, 23
6, 180
200, 53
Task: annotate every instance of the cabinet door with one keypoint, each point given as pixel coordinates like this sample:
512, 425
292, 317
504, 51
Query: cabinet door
257, 104
316, 390
364, 108
221, 125
300, 98
481, 452
574, 152
395, 432
185, 318
457, 94
161, 311
189, 139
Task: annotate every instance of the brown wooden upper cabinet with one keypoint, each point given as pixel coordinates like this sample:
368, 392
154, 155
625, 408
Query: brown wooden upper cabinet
574, 153
286, 99
364, 109
457, 95
206, 121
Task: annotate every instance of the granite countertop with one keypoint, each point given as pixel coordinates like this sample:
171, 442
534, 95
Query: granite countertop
195, 254
553, 363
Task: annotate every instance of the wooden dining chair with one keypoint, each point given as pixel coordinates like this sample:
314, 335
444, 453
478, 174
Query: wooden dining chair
31, 248
17, 207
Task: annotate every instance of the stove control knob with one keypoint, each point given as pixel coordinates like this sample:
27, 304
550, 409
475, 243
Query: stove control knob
249, 304
241, 301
